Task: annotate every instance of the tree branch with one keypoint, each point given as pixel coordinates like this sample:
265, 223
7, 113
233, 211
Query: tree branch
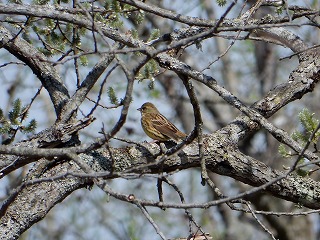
38, 63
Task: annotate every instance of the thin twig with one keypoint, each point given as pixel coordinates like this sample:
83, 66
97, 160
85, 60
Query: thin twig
259, 222
150, 219
101, 90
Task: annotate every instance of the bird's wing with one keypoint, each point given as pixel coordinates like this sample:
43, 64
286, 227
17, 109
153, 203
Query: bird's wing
163, 125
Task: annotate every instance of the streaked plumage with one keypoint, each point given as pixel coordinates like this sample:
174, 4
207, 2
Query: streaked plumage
157, 126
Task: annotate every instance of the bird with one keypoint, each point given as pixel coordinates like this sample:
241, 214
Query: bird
157, 126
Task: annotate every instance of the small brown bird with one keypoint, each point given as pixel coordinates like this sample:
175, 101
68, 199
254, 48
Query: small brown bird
157, 126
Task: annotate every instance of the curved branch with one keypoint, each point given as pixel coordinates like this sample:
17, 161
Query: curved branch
19, 213
234, 25
72, 105
38, 63
220, 151
221, 156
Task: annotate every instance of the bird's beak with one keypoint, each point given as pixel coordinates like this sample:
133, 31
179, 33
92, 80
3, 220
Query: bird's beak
139, 109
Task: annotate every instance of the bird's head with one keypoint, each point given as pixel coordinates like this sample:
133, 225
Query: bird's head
148, 108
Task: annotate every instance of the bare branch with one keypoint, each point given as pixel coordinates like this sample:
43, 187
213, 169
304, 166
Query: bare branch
48, 76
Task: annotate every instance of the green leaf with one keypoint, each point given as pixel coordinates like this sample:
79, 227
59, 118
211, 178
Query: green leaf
15, 112
134, 33
41, 2
112, 96
31, 127
282, 151
5, 128
301, 172
308, 121
84, 60
139, 17
309, 125
155, 33
279, 10
115, 21
82, 31
115, 5
149, 70
221, 3
55, 38
155, 93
